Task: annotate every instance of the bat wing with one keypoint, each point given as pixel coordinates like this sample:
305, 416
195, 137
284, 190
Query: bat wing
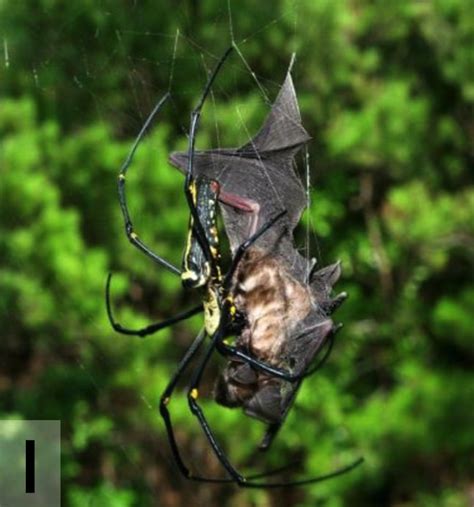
261, 171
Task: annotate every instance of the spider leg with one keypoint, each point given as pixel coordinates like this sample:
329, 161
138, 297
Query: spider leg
131, 234
165, 414
150, 329
229, 350
281, 373
188, 184
240, 480
304, 482
193, 394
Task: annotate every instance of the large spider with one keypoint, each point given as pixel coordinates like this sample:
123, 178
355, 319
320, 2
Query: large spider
260, 366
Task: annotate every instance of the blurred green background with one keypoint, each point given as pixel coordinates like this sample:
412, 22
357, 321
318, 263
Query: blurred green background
387, 91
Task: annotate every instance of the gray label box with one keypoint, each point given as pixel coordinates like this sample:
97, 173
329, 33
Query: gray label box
30, 463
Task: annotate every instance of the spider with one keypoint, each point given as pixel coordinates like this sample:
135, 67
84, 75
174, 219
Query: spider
227, 312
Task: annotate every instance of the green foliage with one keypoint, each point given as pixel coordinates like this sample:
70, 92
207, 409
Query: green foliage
386, 90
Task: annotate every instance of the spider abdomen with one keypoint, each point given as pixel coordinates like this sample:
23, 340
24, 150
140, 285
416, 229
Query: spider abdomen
197, 267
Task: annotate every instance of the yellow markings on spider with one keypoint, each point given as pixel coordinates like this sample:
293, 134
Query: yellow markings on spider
134, 235
189, 240
212, 314
193, 189
232, 308
188, 275
215, 239
194, 394
166, 400
121, 176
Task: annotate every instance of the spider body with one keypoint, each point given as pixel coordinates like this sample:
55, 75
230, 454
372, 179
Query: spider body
197, 270
264, 299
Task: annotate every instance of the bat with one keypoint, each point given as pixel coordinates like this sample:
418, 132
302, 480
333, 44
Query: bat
286, 302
